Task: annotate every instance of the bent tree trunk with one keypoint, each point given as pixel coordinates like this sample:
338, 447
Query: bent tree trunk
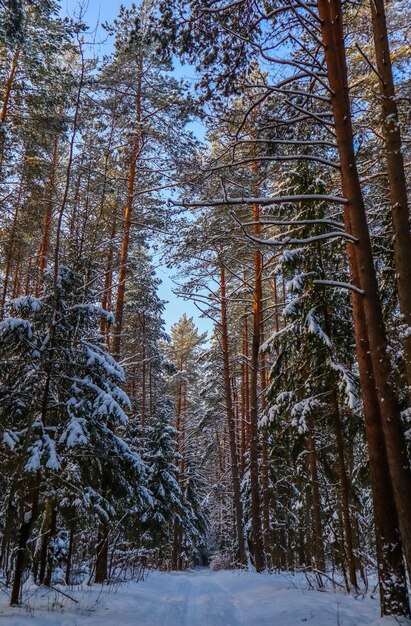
356, 223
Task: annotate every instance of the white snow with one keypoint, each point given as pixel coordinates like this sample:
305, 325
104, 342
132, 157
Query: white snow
34, 460
199, 598
27, 302
10, 439
74, 434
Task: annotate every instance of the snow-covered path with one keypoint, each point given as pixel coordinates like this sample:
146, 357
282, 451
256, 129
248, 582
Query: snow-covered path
199, 598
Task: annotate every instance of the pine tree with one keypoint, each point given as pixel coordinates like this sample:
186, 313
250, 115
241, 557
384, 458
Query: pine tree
74, 404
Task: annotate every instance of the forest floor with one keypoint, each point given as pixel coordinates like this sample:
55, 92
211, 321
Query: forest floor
197, 598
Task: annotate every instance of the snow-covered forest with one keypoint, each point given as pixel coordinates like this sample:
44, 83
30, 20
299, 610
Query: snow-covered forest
275, 446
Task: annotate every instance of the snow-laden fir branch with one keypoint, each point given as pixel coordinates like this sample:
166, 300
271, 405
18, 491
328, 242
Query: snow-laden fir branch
339, 285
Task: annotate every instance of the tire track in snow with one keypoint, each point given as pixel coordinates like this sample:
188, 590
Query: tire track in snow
209, 604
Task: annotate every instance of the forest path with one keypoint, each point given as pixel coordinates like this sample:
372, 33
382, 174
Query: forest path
198, 598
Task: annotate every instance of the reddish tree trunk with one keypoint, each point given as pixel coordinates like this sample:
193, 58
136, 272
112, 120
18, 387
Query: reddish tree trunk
6, 100
122, 275
356, 223
108, 282
396, 172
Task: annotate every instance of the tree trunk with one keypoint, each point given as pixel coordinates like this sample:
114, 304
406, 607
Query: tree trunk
176, 550
143, 377
396, 172
102, 557
108, 280
47, 221
265, 466
6, 100
26, 526
245, 390
122, 275
70, 554
316, 505
10, 516
17, 272
344, 492
231, 422
10, 253
45, 534
356, 224
253, 444
50, 557
391, 571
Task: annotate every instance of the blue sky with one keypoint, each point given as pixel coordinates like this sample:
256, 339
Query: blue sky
97, 12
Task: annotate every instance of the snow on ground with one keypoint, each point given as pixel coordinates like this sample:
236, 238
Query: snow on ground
198, 598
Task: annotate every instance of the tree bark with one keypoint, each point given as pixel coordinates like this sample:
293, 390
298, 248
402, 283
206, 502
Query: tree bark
122, 275
70, 554
344, 492
231, 422
316, 504
265, 465
102, 557
395, 171
45, 533
47, 221
391, 571
26, 526
10, 252
108, 281
254, 473
6, 100
356, 224
245, 398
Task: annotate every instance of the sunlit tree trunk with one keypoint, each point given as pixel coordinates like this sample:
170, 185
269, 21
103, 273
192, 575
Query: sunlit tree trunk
355, 219
391, 571
122, 275
6, 100
395, 171
108, 279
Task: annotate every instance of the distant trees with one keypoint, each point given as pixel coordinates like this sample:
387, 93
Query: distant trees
184, 353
